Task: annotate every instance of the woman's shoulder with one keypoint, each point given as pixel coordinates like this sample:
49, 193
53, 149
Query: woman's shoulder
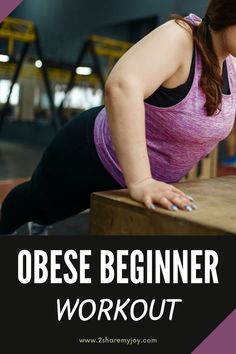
167, 50
177, 34
179, 30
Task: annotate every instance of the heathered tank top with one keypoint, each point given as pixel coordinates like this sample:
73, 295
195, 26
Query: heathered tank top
178, 136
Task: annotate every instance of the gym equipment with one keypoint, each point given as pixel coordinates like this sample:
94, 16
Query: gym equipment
25, 31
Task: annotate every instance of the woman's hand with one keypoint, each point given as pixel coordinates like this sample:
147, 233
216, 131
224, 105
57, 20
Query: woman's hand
150, 191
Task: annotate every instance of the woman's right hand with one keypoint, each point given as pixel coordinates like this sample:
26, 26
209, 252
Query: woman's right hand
151, 191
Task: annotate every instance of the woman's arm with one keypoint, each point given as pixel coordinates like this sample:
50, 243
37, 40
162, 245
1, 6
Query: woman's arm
144, 67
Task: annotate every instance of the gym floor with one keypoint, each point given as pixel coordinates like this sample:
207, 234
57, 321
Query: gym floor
18, 160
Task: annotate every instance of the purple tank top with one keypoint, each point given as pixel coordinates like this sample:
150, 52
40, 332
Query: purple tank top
178, 136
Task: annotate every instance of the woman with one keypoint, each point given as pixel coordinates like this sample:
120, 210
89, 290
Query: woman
168, 101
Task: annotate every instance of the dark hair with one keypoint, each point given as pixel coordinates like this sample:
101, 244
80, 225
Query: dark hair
219, 15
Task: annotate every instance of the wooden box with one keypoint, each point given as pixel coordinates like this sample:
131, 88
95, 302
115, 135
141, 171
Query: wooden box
115, 213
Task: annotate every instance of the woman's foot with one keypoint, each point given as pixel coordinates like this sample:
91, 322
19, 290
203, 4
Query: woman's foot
37, 229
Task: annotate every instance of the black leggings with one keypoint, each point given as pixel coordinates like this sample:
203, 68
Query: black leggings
69, 171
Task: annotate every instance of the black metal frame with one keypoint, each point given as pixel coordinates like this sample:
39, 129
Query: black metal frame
88, 46
55, 119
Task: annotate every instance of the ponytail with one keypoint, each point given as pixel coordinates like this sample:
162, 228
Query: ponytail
211, 81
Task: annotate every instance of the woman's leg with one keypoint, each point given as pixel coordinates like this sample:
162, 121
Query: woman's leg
69, 171
18, 208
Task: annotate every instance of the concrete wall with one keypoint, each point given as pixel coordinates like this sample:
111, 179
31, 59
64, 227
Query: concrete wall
186, 6
64, 24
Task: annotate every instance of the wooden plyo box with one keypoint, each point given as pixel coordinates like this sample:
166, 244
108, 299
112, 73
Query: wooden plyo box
115, 213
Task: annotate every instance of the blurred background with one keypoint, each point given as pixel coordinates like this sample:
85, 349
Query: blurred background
54, 59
